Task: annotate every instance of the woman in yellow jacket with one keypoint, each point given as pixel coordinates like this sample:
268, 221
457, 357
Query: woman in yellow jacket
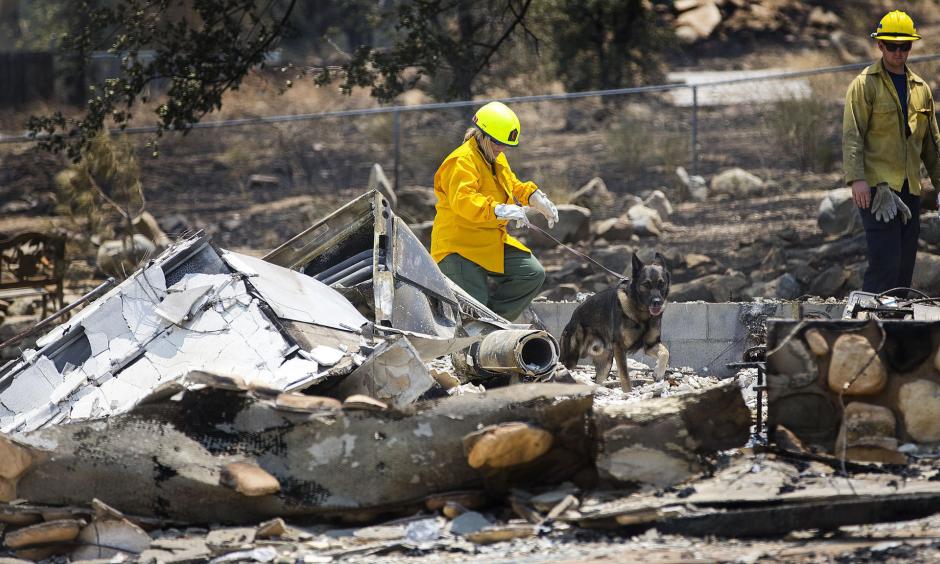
477, 196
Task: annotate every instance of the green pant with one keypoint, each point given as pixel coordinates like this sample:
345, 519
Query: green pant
512, 291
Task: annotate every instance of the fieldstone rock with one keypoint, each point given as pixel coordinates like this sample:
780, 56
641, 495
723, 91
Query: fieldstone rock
817, 343
930, 229
618, 258
710, 288
698, 23
594, 196
868, 434
693, 186
147, 225
838, 214
613, 229
828, 282
855, 367
919, 403
792, 357
927, 274
574, 224
695, 290
837, 251
175, 224
737, 182
784, 287
119, 260
378, 181
659, 202
693, 260
728, 287
417, 203
646, 221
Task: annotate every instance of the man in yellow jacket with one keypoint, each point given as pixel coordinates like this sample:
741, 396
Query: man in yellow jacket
888, 128
477, 196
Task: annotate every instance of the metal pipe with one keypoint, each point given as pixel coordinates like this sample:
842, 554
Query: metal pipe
328, 272
517, 351
356, 277
347, 271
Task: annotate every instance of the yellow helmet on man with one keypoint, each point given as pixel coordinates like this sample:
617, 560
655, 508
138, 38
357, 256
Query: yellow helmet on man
896, 26
499, 122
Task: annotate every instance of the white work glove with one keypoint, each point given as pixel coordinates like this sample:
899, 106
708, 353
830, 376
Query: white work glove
512, 212
544, 206
902, 207
884, 206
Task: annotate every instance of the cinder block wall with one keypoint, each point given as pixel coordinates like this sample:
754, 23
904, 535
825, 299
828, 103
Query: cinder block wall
703, 336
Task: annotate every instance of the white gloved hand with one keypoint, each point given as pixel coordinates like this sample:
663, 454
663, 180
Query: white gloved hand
512, 212
544, 206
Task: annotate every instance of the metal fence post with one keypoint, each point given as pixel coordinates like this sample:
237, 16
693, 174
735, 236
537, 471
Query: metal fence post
694, 130
396, 141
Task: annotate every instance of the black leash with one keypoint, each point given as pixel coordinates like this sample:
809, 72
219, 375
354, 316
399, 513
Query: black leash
619, 277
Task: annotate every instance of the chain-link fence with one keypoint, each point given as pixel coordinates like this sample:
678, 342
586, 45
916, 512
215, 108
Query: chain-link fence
633, 138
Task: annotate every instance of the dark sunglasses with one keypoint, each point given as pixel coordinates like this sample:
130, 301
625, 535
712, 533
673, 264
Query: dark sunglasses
903, 46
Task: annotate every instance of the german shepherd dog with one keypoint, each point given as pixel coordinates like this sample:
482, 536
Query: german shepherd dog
619, 321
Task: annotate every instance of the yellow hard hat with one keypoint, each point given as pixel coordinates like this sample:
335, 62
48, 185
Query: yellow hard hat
499, 122
896, 26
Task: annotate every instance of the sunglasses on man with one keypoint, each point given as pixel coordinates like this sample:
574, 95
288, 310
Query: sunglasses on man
904, 46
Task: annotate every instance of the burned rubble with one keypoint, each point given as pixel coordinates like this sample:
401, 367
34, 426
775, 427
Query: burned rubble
216, 404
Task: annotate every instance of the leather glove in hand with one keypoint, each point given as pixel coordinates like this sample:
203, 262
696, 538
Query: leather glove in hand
544, 206
902, 207
512, 212
884, 206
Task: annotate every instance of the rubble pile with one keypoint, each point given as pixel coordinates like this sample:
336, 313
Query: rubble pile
699, 20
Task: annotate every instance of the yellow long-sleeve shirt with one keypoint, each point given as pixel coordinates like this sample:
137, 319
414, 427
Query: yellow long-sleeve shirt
875, 146
468, 190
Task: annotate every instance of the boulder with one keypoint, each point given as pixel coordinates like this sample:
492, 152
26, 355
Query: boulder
829, 282
784, 287
855, 368
146, 225
574, 224
613, 229
698, 23
817, 342
378, 181
115, 258
693, 186
930, 229
919, 403
659, 202
838, 214
868, 434
927, 274
728, 287
594, 196
710, 288
737, 182
646, 221
618, 258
